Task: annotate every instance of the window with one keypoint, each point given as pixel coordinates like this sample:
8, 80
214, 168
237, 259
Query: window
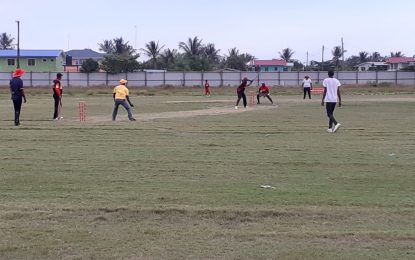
52, 60
31, 62
45, 60
362, 68
266, 68
10, 62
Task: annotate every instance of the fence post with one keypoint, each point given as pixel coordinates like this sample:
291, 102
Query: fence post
298, 77
106, 79
396, 77
49, 80
184, 79
357, 77
279, 78
259, 74
164, 78
31, 79
377, 77
221, 78
202, 76
145, 78
87, 79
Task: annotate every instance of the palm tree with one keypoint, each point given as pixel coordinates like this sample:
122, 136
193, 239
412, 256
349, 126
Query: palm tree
211, 52
363, 56
233, 52
397, 54
192, 48
152, 50
337, 53
286, 54
375, 57
116, 46
123, 48
107, 46
6, 41
168, 58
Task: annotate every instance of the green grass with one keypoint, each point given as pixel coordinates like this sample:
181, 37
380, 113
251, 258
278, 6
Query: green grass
188, 188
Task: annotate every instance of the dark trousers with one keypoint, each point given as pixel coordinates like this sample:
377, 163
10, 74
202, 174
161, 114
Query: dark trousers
243, 96
123, 103
330, 106
56, 99
307, 90
264, 95
17, 103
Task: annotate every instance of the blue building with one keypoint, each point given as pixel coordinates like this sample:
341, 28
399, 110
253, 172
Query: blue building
272, 65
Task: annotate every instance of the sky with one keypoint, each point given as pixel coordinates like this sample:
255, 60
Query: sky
259, 27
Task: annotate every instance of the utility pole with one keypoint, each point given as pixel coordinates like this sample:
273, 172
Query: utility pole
322, 58
135, 36
342, 51
306, 64
18, 44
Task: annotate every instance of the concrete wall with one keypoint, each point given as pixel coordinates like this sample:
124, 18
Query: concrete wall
151, 79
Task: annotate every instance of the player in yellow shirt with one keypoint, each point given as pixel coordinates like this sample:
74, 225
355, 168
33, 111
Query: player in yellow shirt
120, 95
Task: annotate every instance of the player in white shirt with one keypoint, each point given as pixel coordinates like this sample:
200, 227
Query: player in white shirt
307, 86
331, 96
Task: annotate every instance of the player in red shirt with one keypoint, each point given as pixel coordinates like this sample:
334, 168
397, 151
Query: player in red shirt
241, 91
207, 90
263, 91
57, 96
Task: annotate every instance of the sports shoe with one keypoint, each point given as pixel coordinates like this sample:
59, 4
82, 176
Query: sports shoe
336, 127
329, 130
236, 107
132, 119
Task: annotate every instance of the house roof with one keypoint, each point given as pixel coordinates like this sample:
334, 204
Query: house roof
372, 63
31, 53
394, 60
84, 54
273, 62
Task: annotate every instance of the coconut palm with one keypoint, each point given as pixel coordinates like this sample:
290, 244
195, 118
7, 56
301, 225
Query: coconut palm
106, 46
337, 53
6, 41
363, 56
286, 54
375, 57
193, 47
211, 52
152, 50
168, 58
397, 54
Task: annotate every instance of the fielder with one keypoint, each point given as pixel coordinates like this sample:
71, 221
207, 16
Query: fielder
263, 91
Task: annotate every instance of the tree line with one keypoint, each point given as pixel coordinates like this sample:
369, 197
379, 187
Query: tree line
194, 55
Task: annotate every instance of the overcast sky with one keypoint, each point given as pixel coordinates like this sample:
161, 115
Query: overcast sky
259, 27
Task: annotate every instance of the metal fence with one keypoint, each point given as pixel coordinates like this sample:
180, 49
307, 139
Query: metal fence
187, 79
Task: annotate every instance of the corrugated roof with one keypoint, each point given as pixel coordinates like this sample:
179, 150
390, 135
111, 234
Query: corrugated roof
273, 62
84, 54
31, 53
394, 60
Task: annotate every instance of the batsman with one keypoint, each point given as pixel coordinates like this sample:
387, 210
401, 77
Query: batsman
57, 97
240, 91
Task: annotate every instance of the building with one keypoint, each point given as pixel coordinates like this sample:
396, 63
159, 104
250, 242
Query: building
272, 65
372, 66
75, 58
32, 60
399, 63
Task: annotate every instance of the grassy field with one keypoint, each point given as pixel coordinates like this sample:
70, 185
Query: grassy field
178, 185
